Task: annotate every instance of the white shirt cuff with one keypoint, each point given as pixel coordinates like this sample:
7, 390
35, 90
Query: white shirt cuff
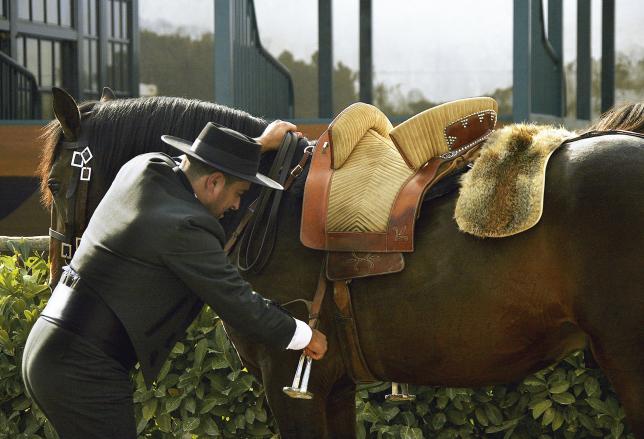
302, 336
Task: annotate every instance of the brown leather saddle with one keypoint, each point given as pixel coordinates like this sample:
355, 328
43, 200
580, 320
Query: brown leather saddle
363, 194
367, 180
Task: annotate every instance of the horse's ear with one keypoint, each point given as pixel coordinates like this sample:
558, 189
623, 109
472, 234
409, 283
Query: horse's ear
67, 113
107, 95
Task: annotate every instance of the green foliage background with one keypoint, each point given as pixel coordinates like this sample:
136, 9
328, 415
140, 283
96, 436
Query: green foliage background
203, 391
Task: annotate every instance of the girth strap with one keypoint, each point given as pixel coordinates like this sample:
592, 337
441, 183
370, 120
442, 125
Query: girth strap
320, 291
354, 360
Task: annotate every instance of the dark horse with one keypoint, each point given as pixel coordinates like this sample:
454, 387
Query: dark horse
465, 312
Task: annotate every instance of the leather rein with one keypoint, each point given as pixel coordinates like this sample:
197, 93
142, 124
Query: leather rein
256, 231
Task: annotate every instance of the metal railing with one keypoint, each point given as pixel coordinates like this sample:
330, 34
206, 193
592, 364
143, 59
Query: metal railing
246, 75
19, 94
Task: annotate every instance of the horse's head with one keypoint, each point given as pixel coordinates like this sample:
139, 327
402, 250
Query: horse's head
65, 174
114, 131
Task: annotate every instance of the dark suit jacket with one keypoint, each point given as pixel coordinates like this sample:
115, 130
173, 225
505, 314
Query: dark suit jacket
154, 254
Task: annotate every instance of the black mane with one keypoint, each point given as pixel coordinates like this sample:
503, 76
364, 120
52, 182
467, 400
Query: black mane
118, 130
121, 129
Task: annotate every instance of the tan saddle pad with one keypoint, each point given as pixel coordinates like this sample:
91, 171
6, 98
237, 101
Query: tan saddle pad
503, 193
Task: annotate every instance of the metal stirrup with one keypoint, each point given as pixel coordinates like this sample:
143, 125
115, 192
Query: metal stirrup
397, 395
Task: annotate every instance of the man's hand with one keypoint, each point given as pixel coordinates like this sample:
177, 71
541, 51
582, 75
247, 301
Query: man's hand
317, 346
272, 136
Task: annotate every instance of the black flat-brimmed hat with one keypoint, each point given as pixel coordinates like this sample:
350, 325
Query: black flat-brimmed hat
226, 150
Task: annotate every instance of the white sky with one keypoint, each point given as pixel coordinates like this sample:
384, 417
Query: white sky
446, 49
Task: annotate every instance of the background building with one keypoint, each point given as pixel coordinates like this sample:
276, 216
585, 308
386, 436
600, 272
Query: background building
80, 45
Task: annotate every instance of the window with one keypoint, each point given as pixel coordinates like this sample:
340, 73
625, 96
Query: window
31, 56
46, 63
5, 42
90, 48
38, 10
53, 17
118, 54
20, 52
90, 24
23, 9
54, 12
66, 13
44, 58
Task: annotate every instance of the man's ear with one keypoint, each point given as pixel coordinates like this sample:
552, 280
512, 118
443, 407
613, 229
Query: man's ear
216, 181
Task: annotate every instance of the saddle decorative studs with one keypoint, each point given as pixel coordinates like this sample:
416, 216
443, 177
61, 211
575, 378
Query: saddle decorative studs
451, 140
299, 388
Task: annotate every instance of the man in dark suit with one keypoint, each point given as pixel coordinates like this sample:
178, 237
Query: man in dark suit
151, 256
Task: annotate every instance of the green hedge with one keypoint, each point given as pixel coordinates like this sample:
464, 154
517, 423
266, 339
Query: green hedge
204, 391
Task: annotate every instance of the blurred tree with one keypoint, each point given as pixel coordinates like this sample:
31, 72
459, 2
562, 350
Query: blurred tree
305, 84
182, 66
177, 64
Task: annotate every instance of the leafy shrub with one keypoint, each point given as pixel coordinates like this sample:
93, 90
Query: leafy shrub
203, 390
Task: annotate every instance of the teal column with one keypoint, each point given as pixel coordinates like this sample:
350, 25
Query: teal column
584, 61
325, 59
366, 55
521, 53
223, 53
608, 55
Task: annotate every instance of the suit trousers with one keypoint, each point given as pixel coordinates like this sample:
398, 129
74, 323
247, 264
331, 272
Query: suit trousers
81, 390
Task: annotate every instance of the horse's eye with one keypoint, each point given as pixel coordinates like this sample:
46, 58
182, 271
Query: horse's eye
54, 185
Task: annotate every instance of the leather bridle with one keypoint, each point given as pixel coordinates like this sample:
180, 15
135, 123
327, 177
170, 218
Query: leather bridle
76, 196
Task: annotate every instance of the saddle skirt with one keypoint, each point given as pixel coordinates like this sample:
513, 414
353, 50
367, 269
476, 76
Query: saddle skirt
367, 178
503, 193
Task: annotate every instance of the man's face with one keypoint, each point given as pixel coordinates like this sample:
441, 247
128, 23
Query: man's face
225, 197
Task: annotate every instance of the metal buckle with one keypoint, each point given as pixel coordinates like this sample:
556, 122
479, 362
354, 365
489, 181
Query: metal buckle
297, 170
86, 173
66, 250
77, 159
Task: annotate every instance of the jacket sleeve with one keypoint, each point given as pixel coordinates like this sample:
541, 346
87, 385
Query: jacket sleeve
198, 259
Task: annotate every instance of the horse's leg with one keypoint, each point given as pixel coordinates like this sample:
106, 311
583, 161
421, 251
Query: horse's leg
296, 418
341, 409
605, 258
624, 367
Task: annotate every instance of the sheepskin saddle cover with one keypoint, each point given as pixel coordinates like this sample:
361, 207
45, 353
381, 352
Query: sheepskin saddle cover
503, 193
